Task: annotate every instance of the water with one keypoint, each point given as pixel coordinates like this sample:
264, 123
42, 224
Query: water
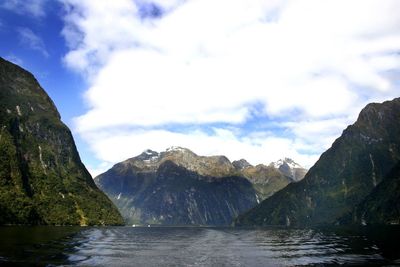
127, 246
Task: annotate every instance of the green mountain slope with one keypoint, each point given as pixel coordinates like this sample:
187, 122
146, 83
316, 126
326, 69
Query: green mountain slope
343, 176
382, 205
42, 179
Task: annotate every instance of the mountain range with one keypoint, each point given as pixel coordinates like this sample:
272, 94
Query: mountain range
43, 181
180, 187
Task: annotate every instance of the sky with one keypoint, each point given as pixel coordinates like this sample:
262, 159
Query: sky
260, 80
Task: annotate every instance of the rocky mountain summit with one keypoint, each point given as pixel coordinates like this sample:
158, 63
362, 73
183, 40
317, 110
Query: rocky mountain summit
178, 186
290, 169
353, 181
42, 179
216, 166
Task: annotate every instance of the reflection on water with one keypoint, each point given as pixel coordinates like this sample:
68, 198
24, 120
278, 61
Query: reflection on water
36, 245
127, 246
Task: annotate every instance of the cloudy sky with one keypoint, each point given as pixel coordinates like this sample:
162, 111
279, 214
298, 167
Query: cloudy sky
259, 79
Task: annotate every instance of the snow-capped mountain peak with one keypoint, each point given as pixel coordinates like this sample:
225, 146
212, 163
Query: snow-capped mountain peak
176, 148
291, 163
290, 168
149, 155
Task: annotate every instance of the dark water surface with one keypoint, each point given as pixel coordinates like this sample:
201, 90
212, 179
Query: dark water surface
127, 246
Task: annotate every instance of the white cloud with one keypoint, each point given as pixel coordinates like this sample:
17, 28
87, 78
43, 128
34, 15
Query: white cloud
317, 134
31, 7
32, 41
257, 148
311, 65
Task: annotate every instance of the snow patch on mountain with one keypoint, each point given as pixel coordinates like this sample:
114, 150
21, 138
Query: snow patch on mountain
291, 163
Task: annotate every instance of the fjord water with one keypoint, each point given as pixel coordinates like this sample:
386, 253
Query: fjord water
196, 246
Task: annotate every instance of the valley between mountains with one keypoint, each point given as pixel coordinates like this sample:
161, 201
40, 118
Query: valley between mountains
44, 182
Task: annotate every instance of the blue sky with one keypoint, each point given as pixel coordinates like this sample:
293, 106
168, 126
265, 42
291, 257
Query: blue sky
258, 79
35, 43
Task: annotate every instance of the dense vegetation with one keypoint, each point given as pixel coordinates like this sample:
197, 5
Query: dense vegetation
42, 179
382, 205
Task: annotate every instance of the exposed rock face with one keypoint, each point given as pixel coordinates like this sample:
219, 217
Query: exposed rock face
343, 176
241, 164
179, 187
42, 179
290, 169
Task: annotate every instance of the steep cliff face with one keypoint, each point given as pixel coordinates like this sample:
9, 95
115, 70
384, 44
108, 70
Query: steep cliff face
382, 205
343, 176
42, 179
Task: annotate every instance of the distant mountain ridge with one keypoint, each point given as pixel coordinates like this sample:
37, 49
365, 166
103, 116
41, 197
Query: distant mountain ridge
179, 187
42, 179
351, 182
268, 179
217, 166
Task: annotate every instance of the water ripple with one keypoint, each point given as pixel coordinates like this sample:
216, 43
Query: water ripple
127, 246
